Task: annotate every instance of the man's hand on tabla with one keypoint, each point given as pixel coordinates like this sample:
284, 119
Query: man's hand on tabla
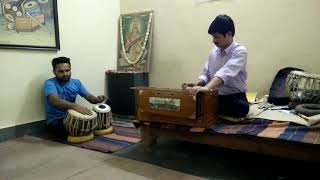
83, 110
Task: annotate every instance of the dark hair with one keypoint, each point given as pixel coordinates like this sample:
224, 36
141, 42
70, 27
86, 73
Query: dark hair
222, 24
60, 60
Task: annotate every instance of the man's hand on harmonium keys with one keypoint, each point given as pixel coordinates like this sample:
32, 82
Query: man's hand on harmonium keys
187, 85
83, 110
193, 89
196, 89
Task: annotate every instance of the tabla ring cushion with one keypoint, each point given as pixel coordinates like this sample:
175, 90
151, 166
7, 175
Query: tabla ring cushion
308, 109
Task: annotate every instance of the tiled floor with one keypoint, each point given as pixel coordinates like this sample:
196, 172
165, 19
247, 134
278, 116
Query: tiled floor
219, 163
31, 158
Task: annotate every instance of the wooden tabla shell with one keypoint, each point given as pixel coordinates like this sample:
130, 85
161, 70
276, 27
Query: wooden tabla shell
303, 87
78, 124
104, 116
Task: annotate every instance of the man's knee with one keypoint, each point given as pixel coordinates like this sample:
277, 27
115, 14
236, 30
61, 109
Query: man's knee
57, 129
241, 110
237, 110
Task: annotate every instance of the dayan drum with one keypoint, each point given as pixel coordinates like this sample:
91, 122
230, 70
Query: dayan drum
303, 87
80, 126
104, 119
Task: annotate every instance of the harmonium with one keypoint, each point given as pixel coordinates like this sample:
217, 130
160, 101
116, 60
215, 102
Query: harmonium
176, 106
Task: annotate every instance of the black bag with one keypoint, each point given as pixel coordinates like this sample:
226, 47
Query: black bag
278, 94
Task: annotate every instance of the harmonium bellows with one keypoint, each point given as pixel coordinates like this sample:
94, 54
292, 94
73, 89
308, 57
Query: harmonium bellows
176, 106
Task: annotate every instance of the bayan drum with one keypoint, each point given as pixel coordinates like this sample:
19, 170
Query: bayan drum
303, 88
80, 126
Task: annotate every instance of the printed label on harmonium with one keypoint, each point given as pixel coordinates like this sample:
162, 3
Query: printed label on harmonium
167, 104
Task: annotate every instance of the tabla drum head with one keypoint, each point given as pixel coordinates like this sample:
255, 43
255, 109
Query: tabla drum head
102, 108
83, 116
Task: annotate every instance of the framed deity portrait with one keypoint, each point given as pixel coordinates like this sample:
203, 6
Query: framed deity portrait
135, 40
29, 24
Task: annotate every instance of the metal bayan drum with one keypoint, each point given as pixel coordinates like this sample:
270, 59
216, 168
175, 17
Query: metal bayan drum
303, 88
104, 119
80, 126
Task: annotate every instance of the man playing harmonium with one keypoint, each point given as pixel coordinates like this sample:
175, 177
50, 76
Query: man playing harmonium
60, 95
225, 70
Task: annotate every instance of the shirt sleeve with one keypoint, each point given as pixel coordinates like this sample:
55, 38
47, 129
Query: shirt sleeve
82, 90
205, 75
50, 88
234, 65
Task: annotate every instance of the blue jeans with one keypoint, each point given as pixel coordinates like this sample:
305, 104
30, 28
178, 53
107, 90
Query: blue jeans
234, 105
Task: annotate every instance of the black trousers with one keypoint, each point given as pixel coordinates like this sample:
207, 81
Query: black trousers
234, 105
57, 128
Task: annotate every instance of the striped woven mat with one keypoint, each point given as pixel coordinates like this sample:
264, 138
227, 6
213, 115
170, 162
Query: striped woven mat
122, 137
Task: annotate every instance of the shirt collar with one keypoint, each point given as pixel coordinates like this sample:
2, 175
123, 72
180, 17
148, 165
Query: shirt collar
62, 83
227, 50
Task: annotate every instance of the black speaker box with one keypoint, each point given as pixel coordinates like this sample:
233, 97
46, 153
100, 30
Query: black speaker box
121, 97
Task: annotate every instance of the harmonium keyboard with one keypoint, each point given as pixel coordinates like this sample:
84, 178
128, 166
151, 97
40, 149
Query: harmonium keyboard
176, 106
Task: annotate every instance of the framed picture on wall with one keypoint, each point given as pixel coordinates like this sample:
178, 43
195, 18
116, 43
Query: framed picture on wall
29, 24
135, 39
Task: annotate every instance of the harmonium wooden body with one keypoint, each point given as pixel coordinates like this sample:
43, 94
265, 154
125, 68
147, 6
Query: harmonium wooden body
176, 106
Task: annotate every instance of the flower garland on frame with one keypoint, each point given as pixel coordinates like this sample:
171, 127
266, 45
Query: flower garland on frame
143, 46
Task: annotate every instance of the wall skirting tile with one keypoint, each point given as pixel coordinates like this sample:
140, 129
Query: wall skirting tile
21, 130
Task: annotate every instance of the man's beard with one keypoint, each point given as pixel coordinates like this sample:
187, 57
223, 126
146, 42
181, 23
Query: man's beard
64, 79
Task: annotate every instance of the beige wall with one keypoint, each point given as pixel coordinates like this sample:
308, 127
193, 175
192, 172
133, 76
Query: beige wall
88, 35
276, 33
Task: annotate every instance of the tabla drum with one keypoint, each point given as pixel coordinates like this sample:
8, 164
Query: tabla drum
80, 126
104, 119
303, 87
